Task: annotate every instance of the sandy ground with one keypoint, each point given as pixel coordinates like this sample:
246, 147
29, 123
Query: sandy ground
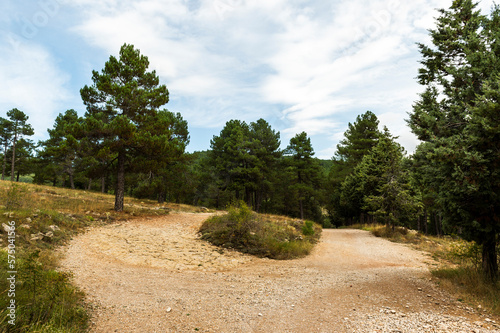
156, 275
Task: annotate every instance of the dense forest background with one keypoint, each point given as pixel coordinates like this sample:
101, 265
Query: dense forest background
127, 145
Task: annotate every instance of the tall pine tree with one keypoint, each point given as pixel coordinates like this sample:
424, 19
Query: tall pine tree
121, 104
457, 117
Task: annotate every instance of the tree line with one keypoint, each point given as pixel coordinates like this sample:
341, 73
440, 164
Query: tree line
126, 143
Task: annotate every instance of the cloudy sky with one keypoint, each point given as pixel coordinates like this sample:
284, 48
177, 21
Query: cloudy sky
302, 65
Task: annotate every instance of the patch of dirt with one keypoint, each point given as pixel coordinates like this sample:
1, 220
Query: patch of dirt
156, 275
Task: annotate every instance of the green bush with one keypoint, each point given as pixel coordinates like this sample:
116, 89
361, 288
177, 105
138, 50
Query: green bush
249, 232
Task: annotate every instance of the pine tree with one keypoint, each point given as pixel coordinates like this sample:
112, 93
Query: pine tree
121, 103
19, 128
359, 139
306, 171
457, 117
5, 138
60, 150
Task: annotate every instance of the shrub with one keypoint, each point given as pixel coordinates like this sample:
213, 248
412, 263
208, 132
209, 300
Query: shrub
264, 236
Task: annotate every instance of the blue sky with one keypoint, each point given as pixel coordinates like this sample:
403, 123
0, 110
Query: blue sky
301, 65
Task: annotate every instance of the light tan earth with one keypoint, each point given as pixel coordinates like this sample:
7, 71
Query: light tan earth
156, 275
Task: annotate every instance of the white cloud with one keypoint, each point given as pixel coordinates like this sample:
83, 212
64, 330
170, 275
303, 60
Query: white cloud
309, 65
31, 82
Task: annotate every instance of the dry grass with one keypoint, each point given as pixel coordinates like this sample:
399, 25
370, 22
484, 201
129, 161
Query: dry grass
459, 265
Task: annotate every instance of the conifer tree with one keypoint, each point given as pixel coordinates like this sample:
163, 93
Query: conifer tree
5, 137
457, 118
121, 104
19, 129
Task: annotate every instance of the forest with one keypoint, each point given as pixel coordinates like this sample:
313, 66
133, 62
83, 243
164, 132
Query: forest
126, 143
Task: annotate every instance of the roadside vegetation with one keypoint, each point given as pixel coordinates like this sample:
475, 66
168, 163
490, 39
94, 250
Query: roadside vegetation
459, 270
262, 235
45, 218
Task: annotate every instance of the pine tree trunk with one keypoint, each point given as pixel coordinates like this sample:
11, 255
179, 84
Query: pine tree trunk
71, 180
12, 167
489, 262
161, 197
4, 162
301, 203
436, 223
90, 184
425, 222
120, 182
18, 175
103, 184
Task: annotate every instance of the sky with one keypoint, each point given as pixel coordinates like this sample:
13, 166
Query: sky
301, 65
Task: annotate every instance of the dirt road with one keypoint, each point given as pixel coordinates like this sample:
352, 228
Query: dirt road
155, 275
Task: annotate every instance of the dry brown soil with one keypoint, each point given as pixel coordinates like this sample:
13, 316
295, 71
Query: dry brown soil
156, 275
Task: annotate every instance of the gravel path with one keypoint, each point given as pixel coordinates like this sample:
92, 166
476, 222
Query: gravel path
155, 275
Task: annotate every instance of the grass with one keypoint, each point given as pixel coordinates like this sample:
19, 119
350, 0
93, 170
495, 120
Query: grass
269, 236
459, 269
45, 218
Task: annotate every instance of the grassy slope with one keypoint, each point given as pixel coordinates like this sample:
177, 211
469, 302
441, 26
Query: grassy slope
47, 302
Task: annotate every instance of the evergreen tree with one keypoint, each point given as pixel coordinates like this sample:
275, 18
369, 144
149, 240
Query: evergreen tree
5, 138
19, 128
162, 156
230, 156
121, 105
60, 150
358, 141
264, 145
457, 117
306, 171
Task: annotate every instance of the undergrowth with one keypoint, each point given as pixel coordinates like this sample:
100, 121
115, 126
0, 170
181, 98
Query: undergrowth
459, 269
261, 235
45, 218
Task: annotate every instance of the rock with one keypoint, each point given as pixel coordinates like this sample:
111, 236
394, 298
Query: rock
6, 228
169, 309
28, 219
53, 227
49, 234
260, 314
37, 236
25, 226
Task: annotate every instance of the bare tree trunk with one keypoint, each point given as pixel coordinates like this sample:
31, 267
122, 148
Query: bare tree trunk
103, 184
120, 182
89, 187
301, 209
4, 162
71, 180
12, 167
425, 222
490, 260
436, 223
